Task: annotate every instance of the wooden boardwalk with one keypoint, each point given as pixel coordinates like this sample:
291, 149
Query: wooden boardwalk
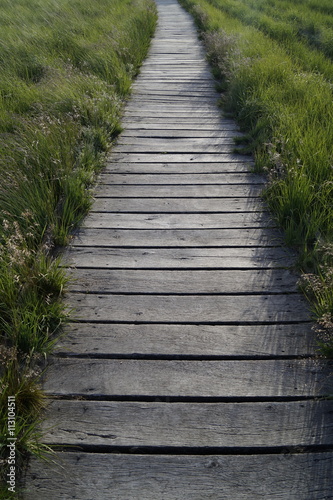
189, 372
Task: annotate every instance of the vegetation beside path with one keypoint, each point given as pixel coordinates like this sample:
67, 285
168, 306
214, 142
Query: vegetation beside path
274, 61
66, 68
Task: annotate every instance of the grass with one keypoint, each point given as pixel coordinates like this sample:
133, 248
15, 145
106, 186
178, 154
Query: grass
66, 70
274, 61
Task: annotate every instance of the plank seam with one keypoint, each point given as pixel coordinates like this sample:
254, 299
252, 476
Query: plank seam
172, 450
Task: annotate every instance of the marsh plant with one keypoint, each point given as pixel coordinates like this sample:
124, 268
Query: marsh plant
66, 70
274, 60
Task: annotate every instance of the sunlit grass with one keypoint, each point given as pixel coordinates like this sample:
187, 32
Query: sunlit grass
273, 58
66, 69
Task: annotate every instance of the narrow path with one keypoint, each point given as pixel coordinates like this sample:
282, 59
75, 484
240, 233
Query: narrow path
189, 371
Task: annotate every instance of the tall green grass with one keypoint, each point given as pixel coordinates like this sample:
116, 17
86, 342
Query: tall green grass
273, 59
66, 69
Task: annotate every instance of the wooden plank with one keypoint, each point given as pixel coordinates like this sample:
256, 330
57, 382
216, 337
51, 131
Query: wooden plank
180, 124
170, 142
143, 84
158, 62
178, 71
177, 205
190, 379
177, 168
183, 191
180, 258
219, 309
178, 158
177, 221
225, 425
146, 92
192, 66
226, 147
173, 83
207, 134
181, 178
188, 115
158, 340
155, 477
174, 122
172, 99
181, 282
173, 104
163, 238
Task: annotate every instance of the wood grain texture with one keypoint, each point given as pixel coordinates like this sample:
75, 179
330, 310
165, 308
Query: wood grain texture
180, 168
105, 220
179, 179
216, 126
190, 191
175, 148
180, 258
170, 142
151, 477
271, 379
182, 134
225, 425
255, 341
177, 157
177, 205
184, 282
189, 309
164, 238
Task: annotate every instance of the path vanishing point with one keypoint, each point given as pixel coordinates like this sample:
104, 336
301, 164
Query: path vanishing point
189, 372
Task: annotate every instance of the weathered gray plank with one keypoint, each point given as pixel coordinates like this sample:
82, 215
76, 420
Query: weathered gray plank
146, 88
176, 72
179, 124
170, 142
158, 62
174, 106
151, 477
180, 258
189, 308
165, 205
187, 116
163, 91
177, 221
244, 425
183, 133
164, 378
183, 191
174, 122
177, 78
183, 178
164, 238
175, 148
254, 341
178, 158
173, 103
192, 113
178, 168
194, 282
